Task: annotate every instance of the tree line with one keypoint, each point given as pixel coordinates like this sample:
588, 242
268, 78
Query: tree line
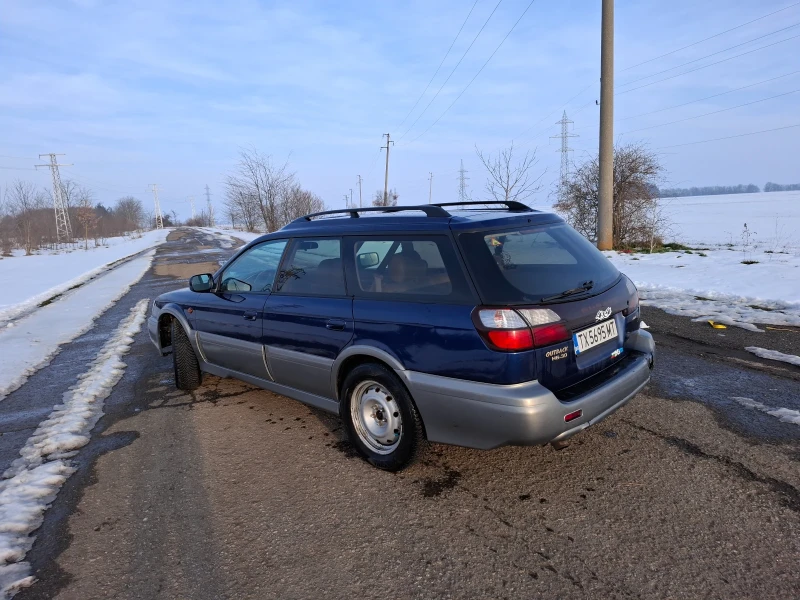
27, 220
716, 190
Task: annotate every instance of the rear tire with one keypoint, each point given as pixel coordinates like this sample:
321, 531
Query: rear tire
380, 418
188, 376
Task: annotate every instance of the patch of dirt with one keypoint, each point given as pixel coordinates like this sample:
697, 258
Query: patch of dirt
184, 270
178, 234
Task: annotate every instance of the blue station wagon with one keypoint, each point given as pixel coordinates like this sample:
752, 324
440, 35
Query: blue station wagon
477, 324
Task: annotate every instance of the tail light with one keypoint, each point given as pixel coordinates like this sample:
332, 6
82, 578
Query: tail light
633, 298
512, 330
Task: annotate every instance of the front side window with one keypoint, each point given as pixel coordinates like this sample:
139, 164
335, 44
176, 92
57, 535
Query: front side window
313, 267
402, 266
255, 269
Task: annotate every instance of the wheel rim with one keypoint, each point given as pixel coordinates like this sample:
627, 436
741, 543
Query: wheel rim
376, 417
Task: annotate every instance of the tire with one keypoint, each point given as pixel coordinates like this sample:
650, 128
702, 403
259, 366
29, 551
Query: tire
380, 418
187, 370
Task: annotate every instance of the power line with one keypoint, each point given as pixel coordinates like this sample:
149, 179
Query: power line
710, 37
709, 55
485, 23
710, 113
510, 31
652, 112
708, 65
730, 137
440, 64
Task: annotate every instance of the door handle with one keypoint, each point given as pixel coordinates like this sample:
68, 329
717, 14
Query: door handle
250, 315
336, 325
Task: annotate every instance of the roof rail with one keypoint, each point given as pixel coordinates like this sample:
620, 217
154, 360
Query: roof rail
430, 210
512, 205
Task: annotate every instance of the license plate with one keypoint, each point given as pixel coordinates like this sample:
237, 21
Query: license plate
595, 335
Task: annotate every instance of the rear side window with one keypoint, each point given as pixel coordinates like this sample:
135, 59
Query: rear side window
407, 267
525, 265
313, 267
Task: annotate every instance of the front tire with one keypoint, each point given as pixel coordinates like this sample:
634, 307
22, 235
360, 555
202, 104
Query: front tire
380, 418
188, 376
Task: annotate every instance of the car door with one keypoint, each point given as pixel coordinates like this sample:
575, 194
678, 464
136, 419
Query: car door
229, 321
309, 317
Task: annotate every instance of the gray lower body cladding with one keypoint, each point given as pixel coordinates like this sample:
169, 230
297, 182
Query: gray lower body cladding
469, 413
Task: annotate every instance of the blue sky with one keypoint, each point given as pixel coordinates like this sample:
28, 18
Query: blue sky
168, 92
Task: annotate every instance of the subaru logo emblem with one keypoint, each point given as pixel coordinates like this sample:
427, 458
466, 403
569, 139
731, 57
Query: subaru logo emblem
603, 314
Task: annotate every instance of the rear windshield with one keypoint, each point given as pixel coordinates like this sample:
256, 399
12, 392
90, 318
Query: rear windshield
527, 265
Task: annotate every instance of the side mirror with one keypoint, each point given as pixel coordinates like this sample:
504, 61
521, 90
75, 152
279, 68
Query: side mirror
368, 259
201, 283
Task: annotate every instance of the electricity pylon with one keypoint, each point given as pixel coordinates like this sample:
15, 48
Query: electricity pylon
63, 226
565, 150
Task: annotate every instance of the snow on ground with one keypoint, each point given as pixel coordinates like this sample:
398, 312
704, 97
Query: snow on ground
32, 481
718, 286
245, 236
30, 280
774, 355
33, 340
773, 219
787, 415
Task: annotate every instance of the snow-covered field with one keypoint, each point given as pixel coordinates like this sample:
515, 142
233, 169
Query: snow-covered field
772, 218
30, 343
30, 280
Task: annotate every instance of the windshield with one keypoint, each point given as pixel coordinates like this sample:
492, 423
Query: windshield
526, 265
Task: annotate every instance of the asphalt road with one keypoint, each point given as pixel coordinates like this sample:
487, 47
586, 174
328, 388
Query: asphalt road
234, 492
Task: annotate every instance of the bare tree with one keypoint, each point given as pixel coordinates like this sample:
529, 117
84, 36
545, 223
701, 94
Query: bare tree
510, 178
299, 202
85, 213
131, 212
265, 181
25, 201
637, 217
241, 204
390, 200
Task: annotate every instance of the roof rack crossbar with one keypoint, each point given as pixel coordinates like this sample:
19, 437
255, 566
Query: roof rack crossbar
430, 210
512, 205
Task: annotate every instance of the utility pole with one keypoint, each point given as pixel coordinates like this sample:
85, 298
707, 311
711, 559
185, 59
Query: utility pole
63, 226
346, 202
351, 197
191, 200
360, 205
605, 212
565, 150
159, 219
210, 208
386, 179
430, 188
462, 183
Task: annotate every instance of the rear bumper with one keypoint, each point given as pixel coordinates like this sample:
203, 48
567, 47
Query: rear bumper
482, 415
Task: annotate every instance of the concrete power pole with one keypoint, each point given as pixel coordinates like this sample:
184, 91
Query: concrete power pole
351, 198
605, 212
462, 183
63, 225
360, 205
157, 213
210, 208
565, 150
430, 189
389, 142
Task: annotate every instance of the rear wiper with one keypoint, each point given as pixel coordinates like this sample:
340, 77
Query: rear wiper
584, 287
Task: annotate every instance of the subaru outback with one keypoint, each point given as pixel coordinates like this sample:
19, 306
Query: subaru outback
477, 324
